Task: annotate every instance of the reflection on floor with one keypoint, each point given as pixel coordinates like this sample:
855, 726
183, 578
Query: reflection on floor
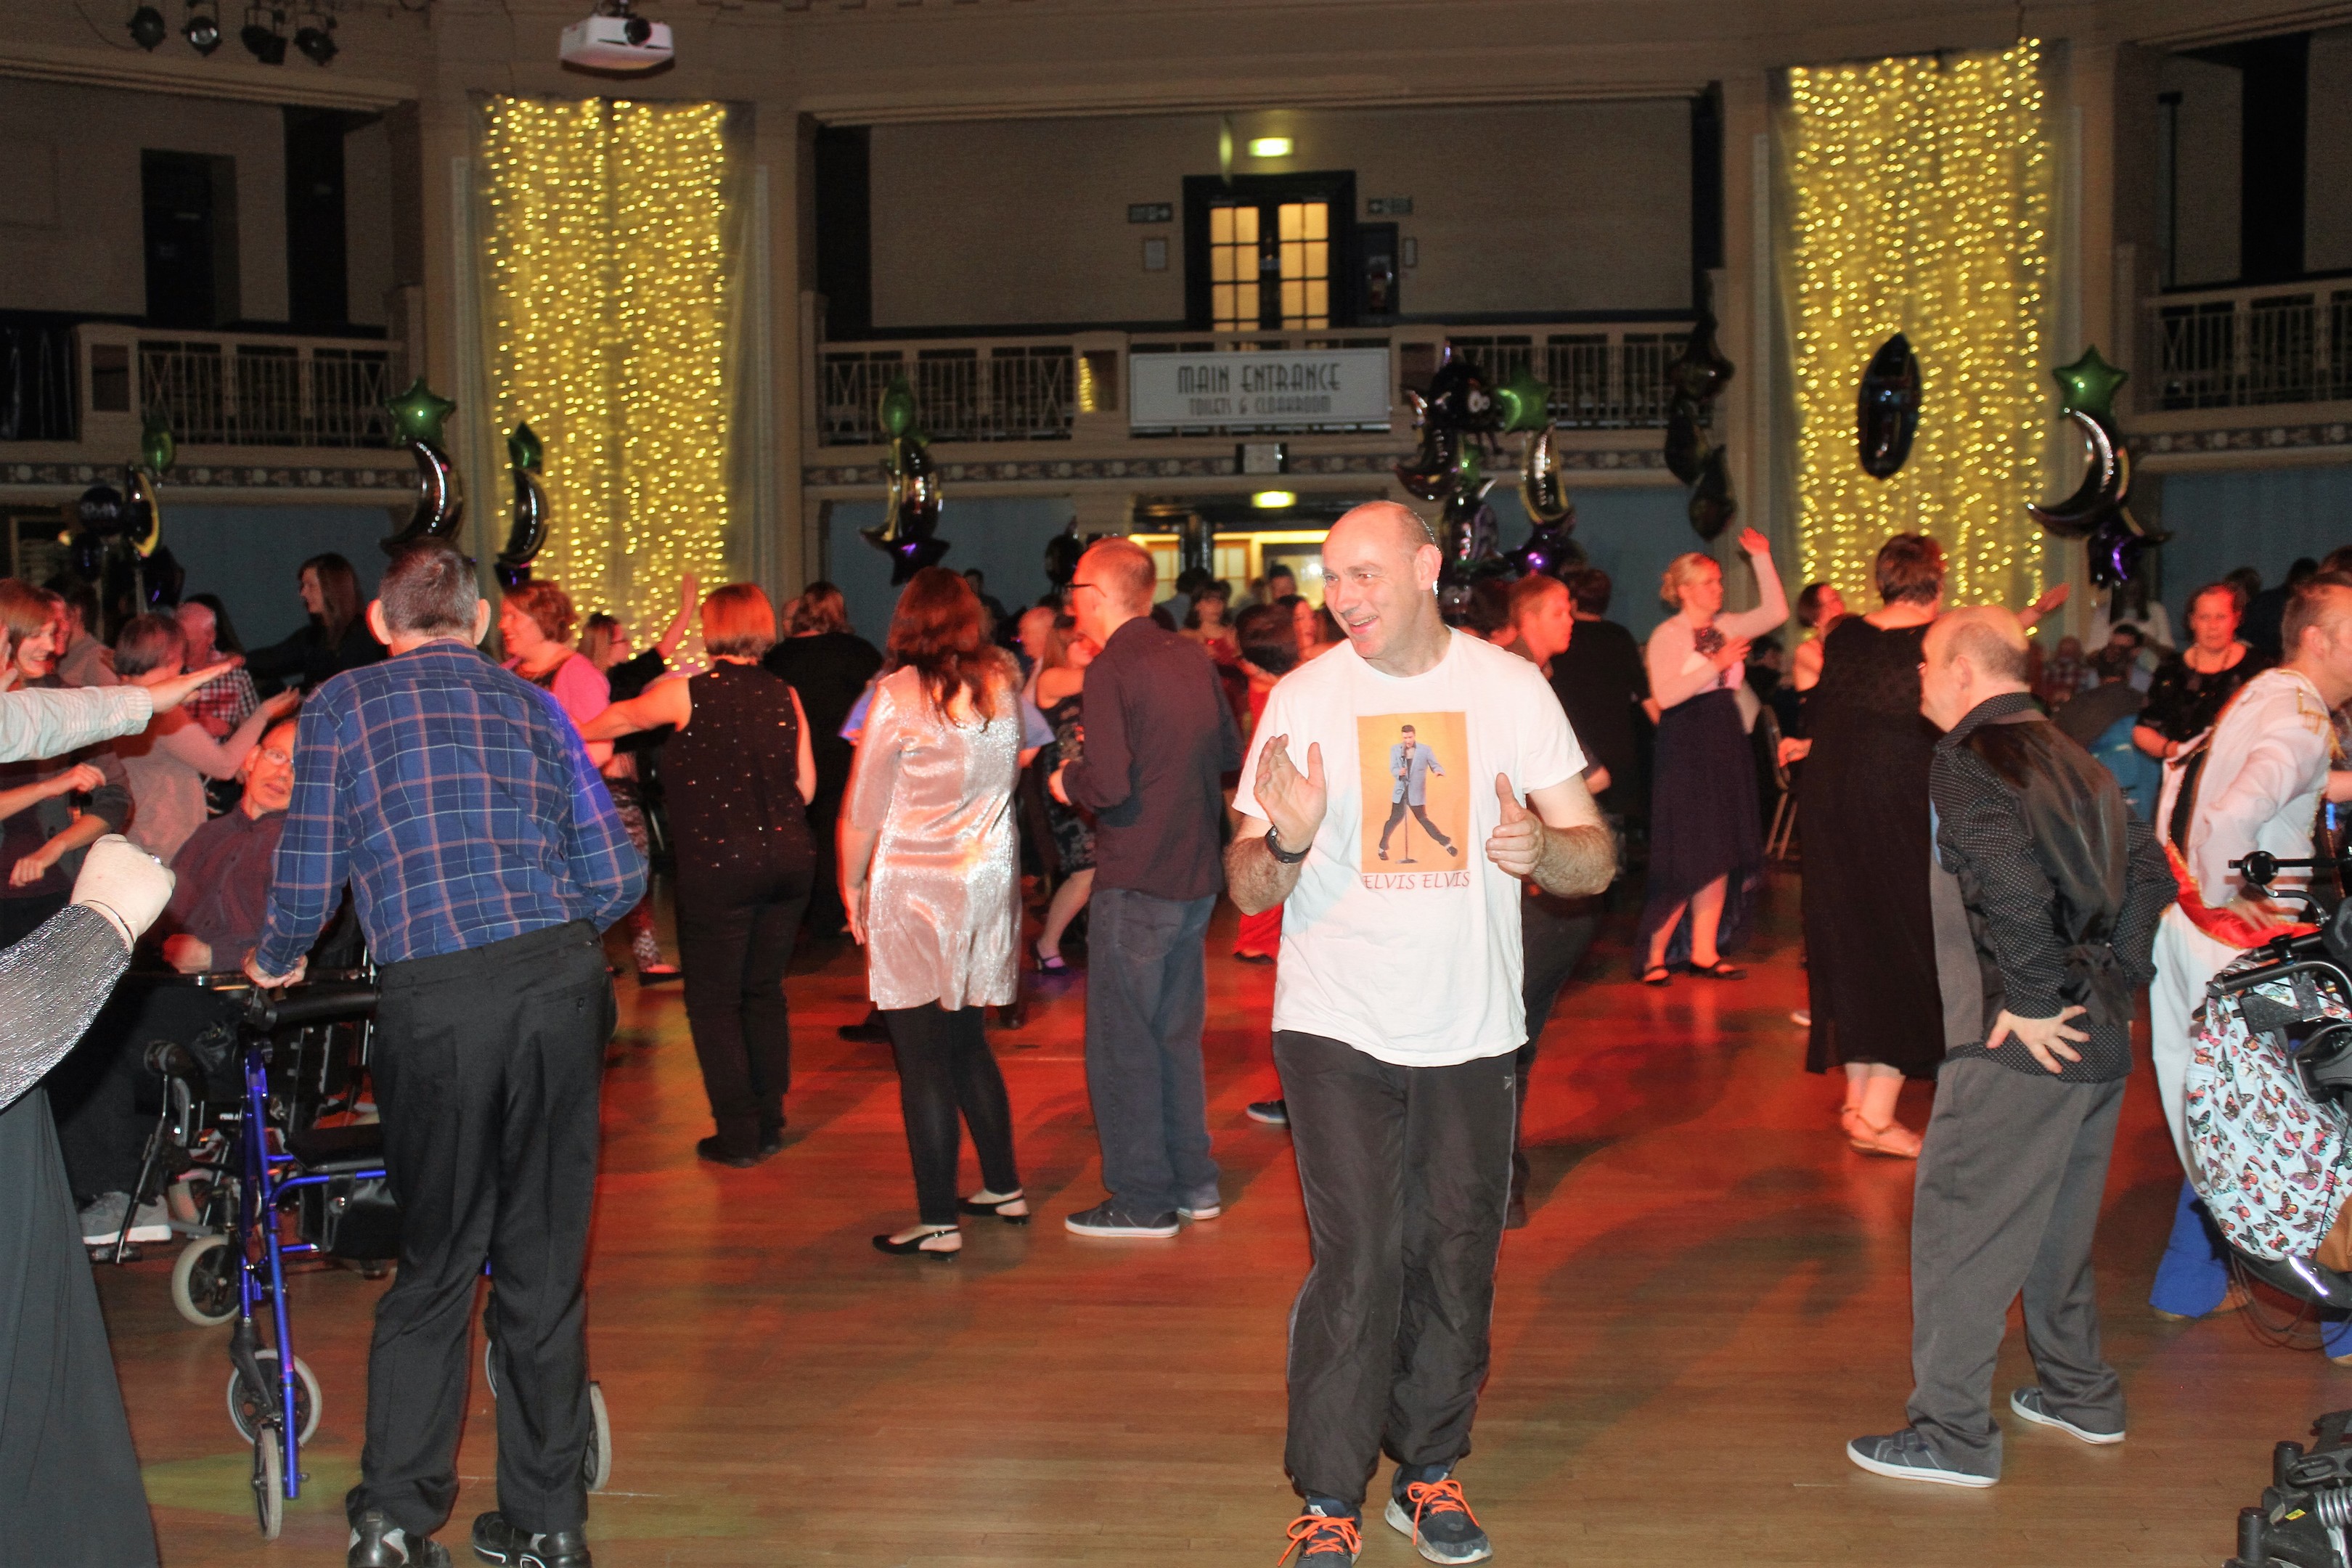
1712, 1297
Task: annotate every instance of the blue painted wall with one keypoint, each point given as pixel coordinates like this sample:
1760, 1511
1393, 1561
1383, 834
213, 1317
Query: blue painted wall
249, 555
2259, 518
1631, 533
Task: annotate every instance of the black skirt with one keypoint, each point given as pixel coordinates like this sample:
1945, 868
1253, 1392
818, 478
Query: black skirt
1702, 820
71, 1495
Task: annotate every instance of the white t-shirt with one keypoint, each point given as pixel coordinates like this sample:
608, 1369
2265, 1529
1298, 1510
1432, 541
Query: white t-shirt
1412, 957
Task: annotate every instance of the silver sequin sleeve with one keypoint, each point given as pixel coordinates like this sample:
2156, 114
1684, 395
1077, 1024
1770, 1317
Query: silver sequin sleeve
52, 984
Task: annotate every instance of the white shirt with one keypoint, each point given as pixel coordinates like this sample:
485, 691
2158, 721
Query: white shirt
2261, 783
1412, 959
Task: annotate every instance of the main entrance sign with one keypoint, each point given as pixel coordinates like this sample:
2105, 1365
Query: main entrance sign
1330, 387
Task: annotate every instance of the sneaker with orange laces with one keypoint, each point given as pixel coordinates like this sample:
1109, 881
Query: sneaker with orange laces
1323, 1537
1427, 1503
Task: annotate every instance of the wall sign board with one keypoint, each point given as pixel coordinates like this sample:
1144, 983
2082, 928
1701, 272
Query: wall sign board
1152, 212
1327, 387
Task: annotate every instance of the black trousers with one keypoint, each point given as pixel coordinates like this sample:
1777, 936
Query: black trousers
1554, 935
488, 1066
1406, 1172
1420, 815
826, 915
945, 1068
735, 935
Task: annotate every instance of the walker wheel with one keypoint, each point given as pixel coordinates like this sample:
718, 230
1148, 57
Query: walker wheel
596, 1464
268, 1483
204, 1282
246, 1409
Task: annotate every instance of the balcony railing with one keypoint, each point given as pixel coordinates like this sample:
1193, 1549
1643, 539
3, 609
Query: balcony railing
217, 389
2237, 348
1602, 377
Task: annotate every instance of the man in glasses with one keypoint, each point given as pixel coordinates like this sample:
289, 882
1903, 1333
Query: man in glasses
217, 911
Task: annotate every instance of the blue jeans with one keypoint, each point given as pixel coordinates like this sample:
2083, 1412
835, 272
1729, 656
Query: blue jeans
2194, 1274
1147, 997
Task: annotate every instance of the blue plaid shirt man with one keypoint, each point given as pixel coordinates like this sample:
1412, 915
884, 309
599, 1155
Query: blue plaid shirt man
460, 804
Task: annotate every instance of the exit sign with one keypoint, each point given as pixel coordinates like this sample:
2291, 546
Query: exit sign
1389, 206
1150, 212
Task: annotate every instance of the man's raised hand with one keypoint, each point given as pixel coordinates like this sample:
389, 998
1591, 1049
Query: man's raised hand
1293, 801
1516, 843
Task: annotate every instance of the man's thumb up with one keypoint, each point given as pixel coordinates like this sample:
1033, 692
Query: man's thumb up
1512, 810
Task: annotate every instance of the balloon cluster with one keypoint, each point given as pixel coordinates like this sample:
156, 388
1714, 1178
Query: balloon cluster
1693, 455
906, 532
416, 416
1887, 408
1061, 552
2098, 513
528, 532
1459, 417
116, 535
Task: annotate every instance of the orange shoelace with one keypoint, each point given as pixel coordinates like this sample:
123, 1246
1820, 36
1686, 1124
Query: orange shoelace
1315, 1534
1436, 1497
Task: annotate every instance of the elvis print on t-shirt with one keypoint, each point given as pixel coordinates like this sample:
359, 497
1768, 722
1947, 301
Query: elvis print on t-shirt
1413, 768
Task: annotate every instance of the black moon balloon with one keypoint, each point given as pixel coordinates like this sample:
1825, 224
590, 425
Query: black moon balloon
1886, 411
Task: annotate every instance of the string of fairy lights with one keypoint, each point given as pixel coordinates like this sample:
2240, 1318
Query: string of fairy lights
605, 261
1922, 193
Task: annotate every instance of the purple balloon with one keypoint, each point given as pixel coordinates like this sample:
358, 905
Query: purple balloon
2115, 552
1548, 550
909, 556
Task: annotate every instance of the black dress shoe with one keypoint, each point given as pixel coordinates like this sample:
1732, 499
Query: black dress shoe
870, 1033
772, 1141
710, 1149
496, 1541
377, 1543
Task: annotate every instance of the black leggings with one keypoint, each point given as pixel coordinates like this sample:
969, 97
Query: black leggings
944, 1066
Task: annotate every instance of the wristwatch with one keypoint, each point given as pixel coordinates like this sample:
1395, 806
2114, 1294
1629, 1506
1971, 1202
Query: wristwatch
1273, 847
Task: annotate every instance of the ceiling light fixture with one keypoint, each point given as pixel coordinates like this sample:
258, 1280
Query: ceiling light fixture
266, 43
203, 29
1269, 147
316, 38
147, 28
1273, 501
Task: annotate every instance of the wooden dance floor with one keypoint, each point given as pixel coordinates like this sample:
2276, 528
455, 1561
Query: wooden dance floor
1712, 1298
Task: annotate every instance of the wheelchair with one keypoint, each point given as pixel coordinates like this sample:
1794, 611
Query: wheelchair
279, 1185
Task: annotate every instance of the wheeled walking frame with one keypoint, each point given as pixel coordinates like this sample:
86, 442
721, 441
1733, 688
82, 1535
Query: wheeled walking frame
284, 1187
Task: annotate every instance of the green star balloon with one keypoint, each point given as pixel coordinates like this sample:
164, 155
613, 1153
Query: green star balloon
898, 409
523, 449
156, 446
2089, 384
1469, 468
417, 414
1525, 402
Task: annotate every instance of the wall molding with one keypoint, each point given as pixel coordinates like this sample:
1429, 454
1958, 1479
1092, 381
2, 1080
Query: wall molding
382, 484
222, 78
1030, 470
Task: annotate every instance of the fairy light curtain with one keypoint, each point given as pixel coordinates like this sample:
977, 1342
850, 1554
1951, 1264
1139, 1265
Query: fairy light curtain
609, 267
1916, 195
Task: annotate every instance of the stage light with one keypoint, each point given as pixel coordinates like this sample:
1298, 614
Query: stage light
1273, 501
147, 28
316, 38
264, 43
1270, 147
1922, 202
202, 30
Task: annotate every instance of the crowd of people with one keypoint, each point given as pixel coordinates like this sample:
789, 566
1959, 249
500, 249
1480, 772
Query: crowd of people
1419, 822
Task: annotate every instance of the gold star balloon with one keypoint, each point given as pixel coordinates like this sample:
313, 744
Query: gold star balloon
2089, 386
416, 414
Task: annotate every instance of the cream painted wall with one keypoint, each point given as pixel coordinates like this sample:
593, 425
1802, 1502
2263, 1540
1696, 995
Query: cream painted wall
2206, 184
1553, 207
2327, 176
83, 249
367, 221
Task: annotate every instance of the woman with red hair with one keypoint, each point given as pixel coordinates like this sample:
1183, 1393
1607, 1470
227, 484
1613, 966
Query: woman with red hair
739, 774
930, 876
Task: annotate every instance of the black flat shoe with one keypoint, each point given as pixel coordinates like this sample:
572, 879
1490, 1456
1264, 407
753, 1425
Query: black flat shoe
1053, 964
710, 1149
996, 1207
377, 1543
916, 1242
1720, 970
496, 1541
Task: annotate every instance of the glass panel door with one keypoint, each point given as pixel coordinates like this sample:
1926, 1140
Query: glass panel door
1234, 268
1306, 261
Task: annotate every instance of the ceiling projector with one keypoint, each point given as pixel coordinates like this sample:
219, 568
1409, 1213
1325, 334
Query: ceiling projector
615, 42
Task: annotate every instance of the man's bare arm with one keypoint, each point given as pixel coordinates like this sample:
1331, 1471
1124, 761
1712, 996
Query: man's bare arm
1255, 880
1579, 854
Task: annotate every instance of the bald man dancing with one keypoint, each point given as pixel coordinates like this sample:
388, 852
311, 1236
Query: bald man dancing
1397, 1013
2046, 893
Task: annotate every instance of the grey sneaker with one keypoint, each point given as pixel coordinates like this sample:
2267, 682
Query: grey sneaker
1427, 1503
102, 1222
1111, 1217
1202, 1206
1325, 1536
2035, 1406
1272, 1113
1906, 1457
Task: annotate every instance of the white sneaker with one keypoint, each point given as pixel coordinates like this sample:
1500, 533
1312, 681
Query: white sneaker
1802, 1017
102, 1222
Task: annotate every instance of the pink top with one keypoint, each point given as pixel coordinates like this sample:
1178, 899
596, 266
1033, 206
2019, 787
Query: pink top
579, 688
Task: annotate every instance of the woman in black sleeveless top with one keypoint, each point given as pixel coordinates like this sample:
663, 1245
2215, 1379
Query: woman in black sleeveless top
740, 773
